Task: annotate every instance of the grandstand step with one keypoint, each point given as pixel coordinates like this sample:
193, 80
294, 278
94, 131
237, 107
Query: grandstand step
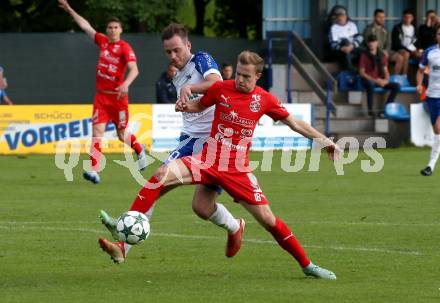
361, 138
342, 111
359, 124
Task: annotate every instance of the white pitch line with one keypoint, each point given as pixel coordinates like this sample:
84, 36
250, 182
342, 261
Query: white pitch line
341, 223
254, 241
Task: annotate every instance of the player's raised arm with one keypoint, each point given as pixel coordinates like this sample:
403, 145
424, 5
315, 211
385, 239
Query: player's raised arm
82, 23
308, 131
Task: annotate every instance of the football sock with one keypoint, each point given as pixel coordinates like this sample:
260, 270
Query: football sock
435, 152
95, 153
223, 218
147, 196
127, 247
285, 238
135, 145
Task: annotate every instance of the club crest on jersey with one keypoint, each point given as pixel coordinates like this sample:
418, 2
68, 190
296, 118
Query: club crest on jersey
255, 105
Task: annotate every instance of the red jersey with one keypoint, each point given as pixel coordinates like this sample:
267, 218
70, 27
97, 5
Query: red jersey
235, 118
112, 62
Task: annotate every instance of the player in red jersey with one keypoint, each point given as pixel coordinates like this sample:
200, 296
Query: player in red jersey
239, 104
111, 99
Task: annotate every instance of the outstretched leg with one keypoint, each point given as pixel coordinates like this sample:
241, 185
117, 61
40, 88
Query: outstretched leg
172, 175
285, 238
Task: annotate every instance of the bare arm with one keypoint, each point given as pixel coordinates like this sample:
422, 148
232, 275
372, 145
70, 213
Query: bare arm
419, 79
308, 131
82, 23
7, 100
200, 88
133, 72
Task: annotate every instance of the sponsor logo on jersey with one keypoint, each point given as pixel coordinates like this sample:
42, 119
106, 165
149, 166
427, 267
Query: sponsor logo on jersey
226, 131
225, 101
116, 48
227, 142
235, 119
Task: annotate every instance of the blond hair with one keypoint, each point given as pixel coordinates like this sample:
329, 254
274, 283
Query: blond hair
248, 57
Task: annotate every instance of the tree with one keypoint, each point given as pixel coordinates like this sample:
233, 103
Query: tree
238, 18
33, 16
136, 15
200, 8
45, 16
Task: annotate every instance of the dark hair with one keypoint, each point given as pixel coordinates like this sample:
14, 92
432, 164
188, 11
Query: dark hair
372, 38
113, 19
226, 64
408, 12
437, 27
378, 11
430, 12
174, 29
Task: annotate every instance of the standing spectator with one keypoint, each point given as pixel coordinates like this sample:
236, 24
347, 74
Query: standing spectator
344, 39
227, 71
373, 69
427, 30
404, 39
378, 28
3, 84
165, 89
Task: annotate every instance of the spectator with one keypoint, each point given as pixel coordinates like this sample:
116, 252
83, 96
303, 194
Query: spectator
165, 89
344, 39
3, 84
378, 28
404, 39
427, 30
4, 98
227, 71
373, 69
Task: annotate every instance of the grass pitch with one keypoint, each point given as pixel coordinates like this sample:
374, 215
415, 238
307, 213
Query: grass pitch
379, 232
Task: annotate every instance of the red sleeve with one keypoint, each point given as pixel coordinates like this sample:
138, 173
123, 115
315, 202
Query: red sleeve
210, 98
100, 39
363, 61
129, 54
275, 109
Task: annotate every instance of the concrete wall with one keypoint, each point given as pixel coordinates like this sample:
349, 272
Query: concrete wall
60, 67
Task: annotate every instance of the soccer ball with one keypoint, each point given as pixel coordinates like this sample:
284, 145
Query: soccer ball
133, 227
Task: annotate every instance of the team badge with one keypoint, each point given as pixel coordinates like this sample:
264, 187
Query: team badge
255, 106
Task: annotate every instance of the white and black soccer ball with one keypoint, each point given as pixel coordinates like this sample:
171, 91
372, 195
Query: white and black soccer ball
133, 227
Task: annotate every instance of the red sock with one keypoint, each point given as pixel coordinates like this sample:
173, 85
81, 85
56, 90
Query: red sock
135, 145
147, 196
95, 153
287, 240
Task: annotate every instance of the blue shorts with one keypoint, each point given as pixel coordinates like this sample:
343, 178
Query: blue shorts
434, 108
189, 146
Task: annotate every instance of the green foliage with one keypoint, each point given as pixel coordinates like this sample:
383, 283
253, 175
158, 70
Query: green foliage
136, 15
234, 18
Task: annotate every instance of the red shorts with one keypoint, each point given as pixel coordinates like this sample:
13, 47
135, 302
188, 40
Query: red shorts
108, 108
241, 186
